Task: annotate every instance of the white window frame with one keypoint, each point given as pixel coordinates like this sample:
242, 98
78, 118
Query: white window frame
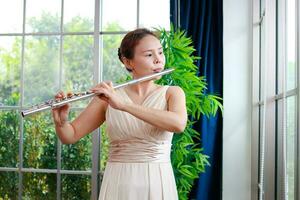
270, 126
98, 74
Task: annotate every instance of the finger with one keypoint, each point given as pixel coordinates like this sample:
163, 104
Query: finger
97, 90
55, 114
102, 92
60, 95
96, 87
104, 98
105, 85
110, 84
69, 94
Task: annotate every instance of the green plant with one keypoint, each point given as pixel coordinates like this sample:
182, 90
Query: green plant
187, 157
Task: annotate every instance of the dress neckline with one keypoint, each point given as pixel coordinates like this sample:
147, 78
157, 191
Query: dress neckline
149, 95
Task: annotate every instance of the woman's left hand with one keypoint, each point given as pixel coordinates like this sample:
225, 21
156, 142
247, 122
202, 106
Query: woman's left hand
105, 91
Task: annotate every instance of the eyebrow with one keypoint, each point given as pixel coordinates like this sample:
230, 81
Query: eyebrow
151, 50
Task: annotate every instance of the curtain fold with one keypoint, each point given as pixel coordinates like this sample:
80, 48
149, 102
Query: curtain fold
203, 21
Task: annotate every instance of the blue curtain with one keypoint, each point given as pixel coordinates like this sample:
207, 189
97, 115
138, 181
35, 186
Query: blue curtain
203, 21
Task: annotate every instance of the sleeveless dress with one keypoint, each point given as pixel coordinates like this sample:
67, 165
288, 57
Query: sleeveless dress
138, 166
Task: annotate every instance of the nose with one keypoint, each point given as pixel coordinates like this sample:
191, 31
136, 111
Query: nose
157, 59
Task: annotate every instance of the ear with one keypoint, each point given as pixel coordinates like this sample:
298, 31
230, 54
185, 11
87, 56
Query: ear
128, 63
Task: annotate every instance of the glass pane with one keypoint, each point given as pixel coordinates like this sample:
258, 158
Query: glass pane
161, 17
12, 10
39, 186
291, 130
77, 156
113, 69
9, 185
43, 16
10, 65
76, 187
78, 65
9, 138
126, 17
40, 142
291, 49
79, 15
41, 69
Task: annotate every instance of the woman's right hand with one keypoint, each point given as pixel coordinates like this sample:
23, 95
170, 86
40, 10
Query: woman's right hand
60, 114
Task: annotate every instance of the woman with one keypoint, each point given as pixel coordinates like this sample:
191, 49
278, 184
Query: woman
140, 120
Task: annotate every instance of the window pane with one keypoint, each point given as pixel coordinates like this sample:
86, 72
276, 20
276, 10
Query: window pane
161, 17
9, 138
291, 49
77, 156
41, 69
78, 65
113, 69
9, 185
40, 142
10, 65
79, 15
291, 149
126, 17
43, 16
76, 186
12, 10
39, 186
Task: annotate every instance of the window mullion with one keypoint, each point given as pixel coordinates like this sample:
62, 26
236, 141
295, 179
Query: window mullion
297, 142
20, 191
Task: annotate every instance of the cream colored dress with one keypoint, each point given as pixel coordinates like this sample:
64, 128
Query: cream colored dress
138, 166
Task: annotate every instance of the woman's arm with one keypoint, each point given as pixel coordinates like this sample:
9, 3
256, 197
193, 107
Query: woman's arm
173, 120
88, 120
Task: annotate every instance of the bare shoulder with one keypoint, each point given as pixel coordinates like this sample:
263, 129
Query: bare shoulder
175, 91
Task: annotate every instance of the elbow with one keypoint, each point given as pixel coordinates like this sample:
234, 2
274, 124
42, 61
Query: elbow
67, 140
179, 127
64, 141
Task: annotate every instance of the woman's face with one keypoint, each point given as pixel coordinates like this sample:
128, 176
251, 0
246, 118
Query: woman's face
148, 57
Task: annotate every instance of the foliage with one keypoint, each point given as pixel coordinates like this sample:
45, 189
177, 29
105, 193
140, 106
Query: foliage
9, 139
187, 157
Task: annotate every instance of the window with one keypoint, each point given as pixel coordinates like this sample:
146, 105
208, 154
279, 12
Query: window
276, 100
46, 46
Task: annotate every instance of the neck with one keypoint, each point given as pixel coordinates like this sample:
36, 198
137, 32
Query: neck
142, 88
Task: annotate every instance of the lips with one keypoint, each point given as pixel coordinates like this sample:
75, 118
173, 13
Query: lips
156, 70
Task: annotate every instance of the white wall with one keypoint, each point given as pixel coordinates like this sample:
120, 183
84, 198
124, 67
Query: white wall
237, 99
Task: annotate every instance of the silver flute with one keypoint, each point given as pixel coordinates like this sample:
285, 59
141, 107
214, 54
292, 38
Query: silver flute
50, 104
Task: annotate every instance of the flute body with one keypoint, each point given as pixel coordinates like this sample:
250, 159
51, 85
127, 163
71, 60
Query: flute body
50, 104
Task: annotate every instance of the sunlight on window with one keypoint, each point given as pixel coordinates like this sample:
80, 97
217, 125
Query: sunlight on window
83, 16
291, 49
12, 10
291, 101
290, 152
37, 10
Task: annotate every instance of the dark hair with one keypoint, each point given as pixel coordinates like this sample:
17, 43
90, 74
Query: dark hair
130, 41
